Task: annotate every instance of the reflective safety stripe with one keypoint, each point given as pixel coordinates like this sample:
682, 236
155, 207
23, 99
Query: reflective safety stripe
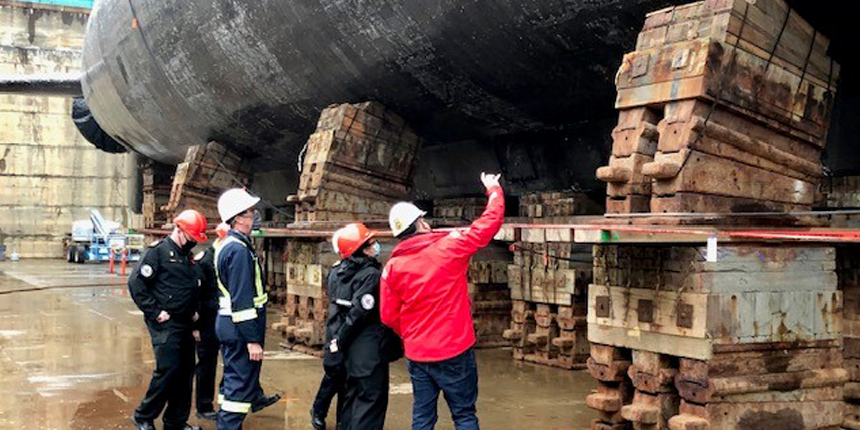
260, 299
246, 315
345, 303
233, 406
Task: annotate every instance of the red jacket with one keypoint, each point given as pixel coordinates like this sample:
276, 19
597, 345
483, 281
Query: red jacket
424, 296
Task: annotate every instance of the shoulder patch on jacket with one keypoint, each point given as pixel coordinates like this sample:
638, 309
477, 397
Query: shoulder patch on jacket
146, 270
367, 301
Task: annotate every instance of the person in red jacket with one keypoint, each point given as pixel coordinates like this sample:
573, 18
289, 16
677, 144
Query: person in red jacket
424, 298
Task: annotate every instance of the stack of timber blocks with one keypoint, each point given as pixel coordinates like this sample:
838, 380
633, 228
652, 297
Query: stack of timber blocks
461, 208
157, 178
208, 170
359, 161
548, 282
745, 336
490, 296
848, 269
842, 192
556, 204
723, 107
304, 265
274, 250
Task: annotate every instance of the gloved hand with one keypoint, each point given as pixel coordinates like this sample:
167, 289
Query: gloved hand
196, 334
162, 317
490, 180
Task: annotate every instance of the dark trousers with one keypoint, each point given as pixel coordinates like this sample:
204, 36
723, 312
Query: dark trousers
332, 384
207, 364
457, 378
240, 386
171, 383
365, 401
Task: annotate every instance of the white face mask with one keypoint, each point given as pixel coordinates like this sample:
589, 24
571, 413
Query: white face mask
375, 249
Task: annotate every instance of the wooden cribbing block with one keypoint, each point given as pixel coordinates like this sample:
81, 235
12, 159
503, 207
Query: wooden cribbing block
688, 422
608, 363
513, 334
521, 311
625, 176
628, 204
652, 410
609, 397
703, 173
852, 391
601, 425
544, 315
851, 416
564, 343
653, 373
570, 318
539, 339
636, 132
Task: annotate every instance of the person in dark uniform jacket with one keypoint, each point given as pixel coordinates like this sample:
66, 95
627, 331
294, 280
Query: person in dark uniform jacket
241, 321
164, 286
204, 333
357, 340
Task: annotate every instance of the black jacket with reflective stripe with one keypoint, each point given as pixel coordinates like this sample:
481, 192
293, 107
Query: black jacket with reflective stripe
363, 342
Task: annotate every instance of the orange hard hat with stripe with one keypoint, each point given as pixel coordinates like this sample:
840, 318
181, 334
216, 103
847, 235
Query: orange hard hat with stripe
350, 238
193, 223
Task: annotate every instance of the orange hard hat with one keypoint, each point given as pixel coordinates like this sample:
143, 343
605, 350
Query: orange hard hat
193, 223
348, 239
222, 230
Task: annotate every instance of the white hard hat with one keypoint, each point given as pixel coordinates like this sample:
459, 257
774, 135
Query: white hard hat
402, 215
235, 201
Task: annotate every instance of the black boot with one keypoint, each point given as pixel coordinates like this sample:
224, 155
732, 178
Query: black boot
186, 427
264, 402
317, 422
143, 425
210, 415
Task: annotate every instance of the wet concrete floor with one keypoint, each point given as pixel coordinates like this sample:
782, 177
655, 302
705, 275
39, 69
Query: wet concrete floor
75, 354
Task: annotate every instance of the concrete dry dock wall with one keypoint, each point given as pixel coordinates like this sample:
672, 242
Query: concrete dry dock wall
49, 175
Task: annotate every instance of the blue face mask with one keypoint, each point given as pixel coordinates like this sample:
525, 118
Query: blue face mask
376, 248
257, 222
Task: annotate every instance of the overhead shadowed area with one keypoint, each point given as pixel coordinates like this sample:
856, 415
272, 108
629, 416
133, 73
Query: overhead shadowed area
524, 87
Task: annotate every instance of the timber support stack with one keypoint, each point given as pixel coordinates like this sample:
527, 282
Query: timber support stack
848, 269
490, 296
208, 170
548, 281
157, 178
746, 335
358, 162
305, 264
723, 107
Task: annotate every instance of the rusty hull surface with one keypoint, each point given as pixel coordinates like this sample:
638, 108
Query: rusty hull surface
77, 356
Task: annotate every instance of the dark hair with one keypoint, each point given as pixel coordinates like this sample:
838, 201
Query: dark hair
360, 250
409, 232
